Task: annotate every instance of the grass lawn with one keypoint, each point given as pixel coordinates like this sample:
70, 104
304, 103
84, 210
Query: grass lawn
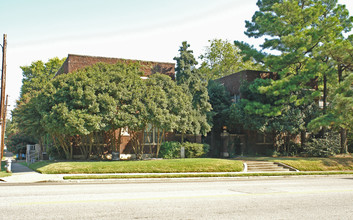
148, 166
3, 170
82, 177
313, 163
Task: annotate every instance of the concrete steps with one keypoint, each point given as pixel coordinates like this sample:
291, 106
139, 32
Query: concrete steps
264, 166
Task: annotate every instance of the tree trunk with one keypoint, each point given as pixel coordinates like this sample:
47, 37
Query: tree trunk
302, 138
340, 73
323, 130
159, 140
343, 132
91, 142
344, 146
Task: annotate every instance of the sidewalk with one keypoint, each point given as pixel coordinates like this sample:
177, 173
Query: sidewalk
22, 174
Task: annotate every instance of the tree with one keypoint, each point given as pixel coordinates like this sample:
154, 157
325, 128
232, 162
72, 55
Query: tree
188, 77
340, 111
221, 102
262, 112
25, 116
38, 74
221, 59
68, 106
297, 31
169, 106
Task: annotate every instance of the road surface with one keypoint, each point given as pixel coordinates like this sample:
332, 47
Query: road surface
256, 198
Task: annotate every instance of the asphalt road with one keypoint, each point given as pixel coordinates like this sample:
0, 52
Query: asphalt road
260, 198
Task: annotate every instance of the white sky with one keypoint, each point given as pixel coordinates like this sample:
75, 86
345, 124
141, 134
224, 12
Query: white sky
133, 29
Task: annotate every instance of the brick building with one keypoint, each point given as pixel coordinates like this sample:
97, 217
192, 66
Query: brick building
252, 142
76, 62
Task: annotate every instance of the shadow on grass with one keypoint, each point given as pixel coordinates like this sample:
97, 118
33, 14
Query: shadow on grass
344, 162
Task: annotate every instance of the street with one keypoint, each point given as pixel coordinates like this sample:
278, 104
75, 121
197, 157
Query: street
254, 198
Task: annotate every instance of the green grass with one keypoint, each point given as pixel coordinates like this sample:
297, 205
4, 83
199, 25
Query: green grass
313, 163
150, 166
201, 175
3, 170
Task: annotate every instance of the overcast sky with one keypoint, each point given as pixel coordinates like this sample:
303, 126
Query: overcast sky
133, 29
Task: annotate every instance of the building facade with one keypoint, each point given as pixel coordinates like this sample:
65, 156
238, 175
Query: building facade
248, 141
76, 62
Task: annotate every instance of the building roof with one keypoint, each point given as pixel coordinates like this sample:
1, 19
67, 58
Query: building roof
75, 62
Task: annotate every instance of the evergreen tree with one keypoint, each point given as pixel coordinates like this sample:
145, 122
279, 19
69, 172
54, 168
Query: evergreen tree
297, 33
190, 79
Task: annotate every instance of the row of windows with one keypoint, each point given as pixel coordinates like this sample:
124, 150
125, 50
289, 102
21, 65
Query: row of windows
150, 135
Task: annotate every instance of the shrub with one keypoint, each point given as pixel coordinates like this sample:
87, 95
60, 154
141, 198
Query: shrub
323, 147
194, 150
170, 150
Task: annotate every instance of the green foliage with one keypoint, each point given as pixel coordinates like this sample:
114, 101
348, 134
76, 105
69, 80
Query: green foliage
170, 150
220, 101
308, 47
299, 31
38, 74
195, 150
101, 97
16, 143
25, 117
327, 146
167, 105
104, 97
221, 59
340, 109
190, 79
185, 66
267, 113
55, 153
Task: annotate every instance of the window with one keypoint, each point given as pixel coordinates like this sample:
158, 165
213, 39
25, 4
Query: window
151, 135
236, 98
262, 138
124, 131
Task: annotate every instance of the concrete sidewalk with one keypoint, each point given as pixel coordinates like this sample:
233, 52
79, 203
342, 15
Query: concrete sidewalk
22, 174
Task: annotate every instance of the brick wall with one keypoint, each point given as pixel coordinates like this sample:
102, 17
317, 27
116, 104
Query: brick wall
76, 62
233, 82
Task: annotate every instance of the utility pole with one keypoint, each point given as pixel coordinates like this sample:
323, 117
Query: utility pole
3, 85
3, 127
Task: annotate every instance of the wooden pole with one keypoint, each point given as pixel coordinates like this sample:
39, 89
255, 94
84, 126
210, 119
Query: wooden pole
3, 85
3, 127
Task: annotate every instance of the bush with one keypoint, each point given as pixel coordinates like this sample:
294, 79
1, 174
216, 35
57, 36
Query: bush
194, 150
323, 147
170, 150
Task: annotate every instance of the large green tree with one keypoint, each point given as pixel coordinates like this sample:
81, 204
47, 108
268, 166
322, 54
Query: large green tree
25, 117
340, 111
222, 58
295, 33
36, 75
169, 106
190, 79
